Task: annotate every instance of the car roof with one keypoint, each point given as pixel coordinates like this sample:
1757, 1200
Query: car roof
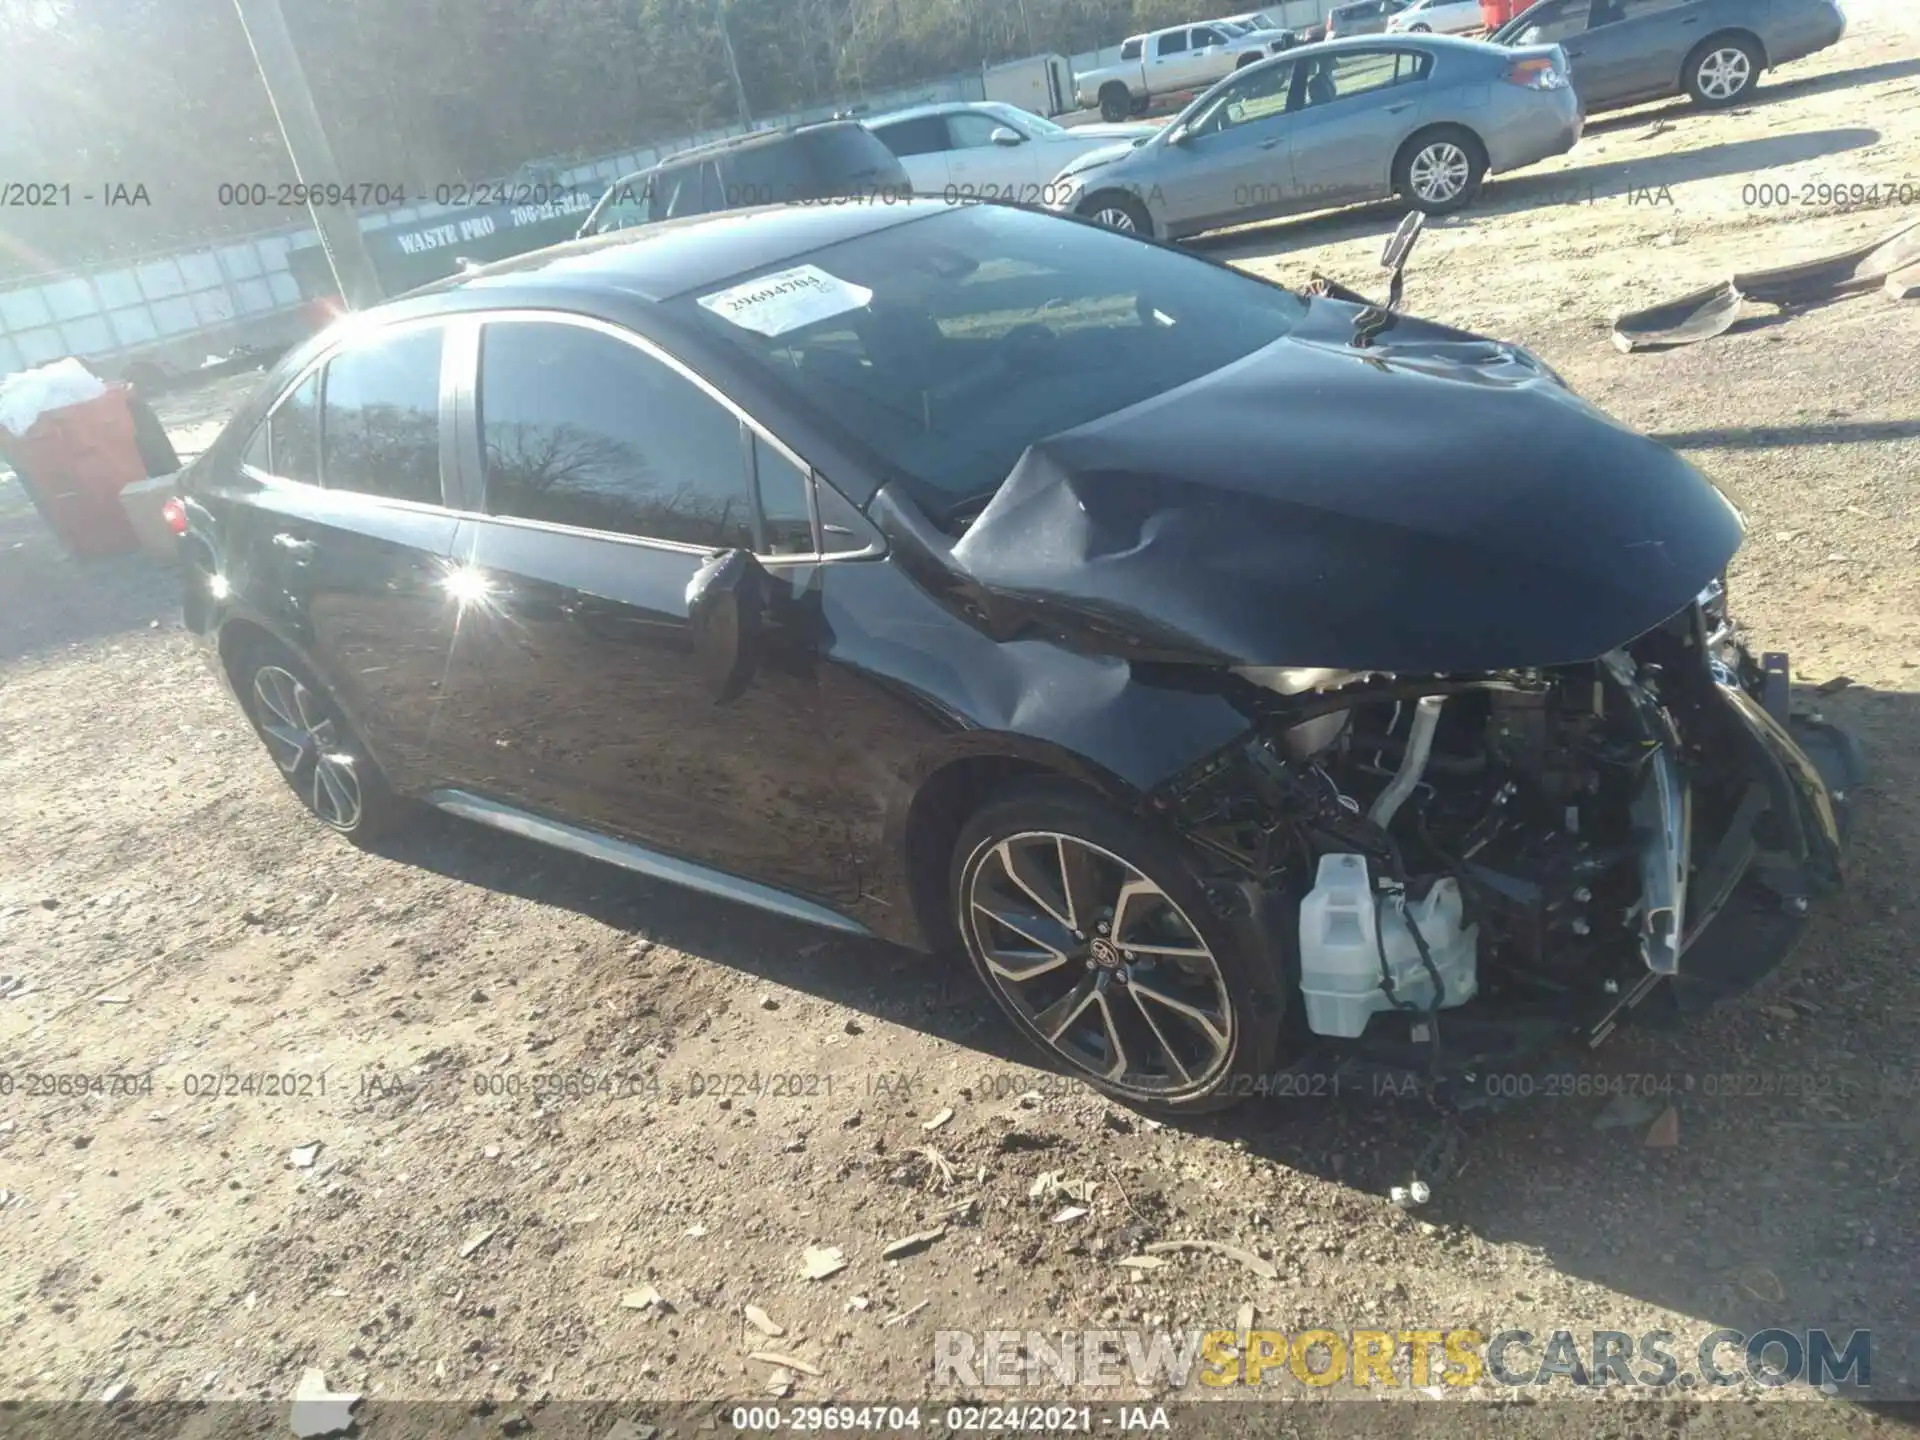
660, 261
751, 140
919, 112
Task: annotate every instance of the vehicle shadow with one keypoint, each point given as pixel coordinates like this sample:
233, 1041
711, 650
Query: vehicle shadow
1786, 1202
1574, 185
1676, 107
1769, 437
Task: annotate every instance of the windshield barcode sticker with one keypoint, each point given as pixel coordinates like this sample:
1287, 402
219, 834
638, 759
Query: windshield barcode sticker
786, 300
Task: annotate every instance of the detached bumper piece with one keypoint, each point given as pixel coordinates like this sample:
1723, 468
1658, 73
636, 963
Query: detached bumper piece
1752, 906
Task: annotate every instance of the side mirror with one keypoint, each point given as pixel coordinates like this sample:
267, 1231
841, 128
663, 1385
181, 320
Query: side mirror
726, 610
1002, 135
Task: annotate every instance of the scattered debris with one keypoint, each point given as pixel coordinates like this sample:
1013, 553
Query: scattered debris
937, 1121
1142, 1262
1627, 1110
696, 1232
1072, 1212
780, 1382
1769, 1290
474, 1242
1265, 1269
1891, 263
1833, 686
768, 1002
820, 1261
1243, 1326
939, 1168
1408, 1196
905, 1315
858, 1302
303, 1156
122, 999
1665, 1132
791, 1362
912, 1244
762, 1321
318, 1410
645, 1298
114, 1391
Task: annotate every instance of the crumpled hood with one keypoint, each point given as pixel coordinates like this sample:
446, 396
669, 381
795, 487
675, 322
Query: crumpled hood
1435, 502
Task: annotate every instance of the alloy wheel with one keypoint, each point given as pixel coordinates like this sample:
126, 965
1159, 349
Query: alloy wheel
1724, 73
1439, 173
1100, 962
301, 736
1114, 217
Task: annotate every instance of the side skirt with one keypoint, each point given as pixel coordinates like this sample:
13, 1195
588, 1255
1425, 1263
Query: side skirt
640, 860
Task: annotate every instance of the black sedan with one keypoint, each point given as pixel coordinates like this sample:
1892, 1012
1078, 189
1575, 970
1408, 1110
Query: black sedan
1201, 659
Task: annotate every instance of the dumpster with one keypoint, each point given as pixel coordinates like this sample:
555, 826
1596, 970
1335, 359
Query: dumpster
74, 461
1495, 13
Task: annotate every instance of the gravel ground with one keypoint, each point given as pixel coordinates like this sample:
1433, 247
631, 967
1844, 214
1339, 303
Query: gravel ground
166, 912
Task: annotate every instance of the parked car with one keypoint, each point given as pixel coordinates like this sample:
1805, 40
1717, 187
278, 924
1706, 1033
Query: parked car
802, 164
1166, 62
986, 150
924, 571
1437, 17
1622, 52
1361, 17
1421, 116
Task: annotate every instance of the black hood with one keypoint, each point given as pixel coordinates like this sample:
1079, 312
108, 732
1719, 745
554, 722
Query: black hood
1434, 502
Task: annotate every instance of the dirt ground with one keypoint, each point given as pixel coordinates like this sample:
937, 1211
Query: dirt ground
463, 1233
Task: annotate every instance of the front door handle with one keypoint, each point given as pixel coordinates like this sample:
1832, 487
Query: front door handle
1402, 106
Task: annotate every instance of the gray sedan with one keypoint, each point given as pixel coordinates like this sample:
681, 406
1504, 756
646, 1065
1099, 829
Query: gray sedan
1423, 116
1626, 51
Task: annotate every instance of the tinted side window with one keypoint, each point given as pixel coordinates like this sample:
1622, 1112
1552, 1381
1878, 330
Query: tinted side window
1207, 36
785, 514
1354, 72
971, 131
381, 422
583, 429
921, 136
1130, 50
1552, 20
294, 434
1174, 42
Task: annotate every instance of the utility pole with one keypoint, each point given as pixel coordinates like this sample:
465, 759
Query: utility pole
306, 140
733, 65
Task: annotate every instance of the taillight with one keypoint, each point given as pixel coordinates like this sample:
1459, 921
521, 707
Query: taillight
1538, 74
175, 514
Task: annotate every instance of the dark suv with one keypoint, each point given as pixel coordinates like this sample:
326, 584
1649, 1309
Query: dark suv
836, 160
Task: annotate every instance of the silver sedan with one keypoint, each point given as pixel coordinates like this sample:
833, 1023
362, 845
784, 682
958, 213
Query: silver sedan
1423, 116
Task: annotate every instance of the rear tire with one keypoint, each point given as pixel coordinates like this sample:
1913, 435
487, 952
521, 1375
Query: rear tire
1181, 1020
1115, 102
318, 754
1440, 170
1722, 71
1420, 29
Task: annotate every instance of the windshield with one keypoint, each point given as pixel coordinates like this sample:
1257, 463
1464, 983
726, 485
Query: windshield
1021, 119
948, 345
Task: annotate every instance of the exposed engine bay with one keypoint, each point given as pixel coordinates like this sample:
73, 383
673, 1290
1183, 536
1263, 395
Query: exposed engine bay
1514, 855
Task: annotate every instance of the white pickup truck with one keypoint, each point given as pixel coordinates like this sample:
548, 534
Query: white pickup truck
1162, 62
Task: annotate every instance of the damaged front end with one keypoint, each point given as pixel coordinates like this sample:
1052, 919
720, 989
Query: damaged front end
1464, 870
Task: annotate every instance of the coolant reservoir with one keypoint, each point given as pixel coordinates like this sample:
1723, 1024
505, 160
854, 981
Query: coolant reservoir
1343, 927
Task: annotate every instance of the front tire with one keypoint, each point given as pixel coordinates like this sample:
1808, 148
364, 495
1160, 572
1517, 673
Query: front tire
1118, 211
1098, 940
1440, 170
316, 751
1722, 71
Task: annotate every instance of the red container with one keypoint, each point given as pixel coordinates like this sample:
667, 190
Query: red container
76, 460
1495, 13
